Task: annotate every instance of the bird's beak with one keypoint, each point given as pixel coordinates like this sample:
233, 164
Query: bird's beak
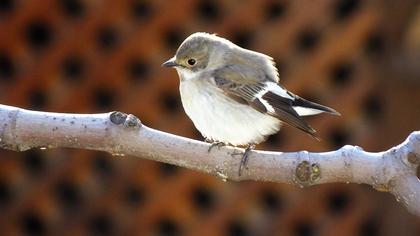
170, 63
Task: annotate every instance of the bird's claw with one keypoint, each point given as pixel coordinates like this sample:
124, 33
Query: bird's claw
216, 144
245, 158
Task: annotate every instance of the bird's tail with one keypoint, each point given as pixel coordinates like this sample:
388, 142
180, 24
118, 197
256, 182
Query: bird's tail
307, 108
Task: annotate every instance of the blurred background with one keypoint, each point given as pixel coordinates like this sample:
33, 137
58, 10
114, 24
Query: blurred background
85, 56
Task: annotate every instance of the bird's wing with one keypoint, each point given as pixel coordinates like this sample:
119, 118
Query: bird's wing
251, 87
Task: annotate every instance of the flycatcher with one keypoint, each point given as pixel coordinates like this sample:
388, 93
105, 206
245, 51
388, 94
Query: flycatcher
232, 94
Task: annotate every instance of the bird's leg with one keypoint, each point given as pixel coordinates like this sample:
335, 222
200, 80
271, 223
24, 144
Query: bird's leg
245, 157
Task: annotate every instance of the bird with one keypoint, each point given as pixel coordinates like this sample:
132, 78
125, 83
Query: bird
233, 95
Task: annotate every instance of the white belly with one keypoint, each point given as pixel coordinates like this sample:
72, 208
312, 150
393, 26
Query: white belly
222, 119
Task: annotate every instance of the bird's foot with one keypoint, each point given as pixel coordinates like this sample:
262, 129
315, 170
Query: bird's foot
207, 140
216, 144
245, 157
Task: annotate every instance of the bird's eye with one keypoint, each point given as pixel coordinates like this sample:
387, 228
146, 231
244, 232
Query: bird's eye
191, 62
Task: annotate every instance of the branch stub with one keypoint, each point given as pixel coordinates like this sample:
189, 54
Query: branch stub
117, 117
132, 121
413, 158
307, 173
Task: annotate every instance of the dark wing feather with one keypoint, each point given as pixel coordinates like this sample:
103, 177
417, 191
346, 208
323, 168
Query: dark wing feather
284, 111
244, 94
239, 83
244, 90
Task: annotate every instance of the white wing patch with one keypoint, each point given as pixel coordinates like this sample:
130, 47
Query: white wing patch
275, 88
259, 95
304, 111
269, 108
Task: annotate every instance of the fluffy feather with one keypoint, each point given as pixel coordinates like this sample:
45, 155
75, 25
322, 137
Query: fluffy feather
232, 94
221, 118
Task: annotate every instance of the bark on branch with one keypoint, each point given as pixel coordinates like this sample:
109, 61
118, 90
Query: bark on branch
393, 171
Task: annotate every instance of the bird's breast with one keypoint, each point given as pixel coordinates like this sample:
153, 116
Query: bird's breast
222, 119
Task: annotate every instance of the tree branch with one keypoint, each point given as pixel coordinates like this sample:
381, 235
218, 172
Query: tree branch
121, 134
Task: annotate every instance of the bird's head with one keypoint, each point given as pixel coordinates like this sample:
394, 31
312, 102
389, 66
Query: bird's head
195, 54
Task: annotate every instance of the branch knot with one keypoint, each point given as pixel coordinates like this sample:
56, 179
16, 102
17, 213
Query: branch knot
307, 173
129, 120
413, 158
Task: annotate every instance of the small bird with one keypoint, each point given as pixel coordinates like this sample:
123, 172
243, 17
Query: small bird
232, 94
